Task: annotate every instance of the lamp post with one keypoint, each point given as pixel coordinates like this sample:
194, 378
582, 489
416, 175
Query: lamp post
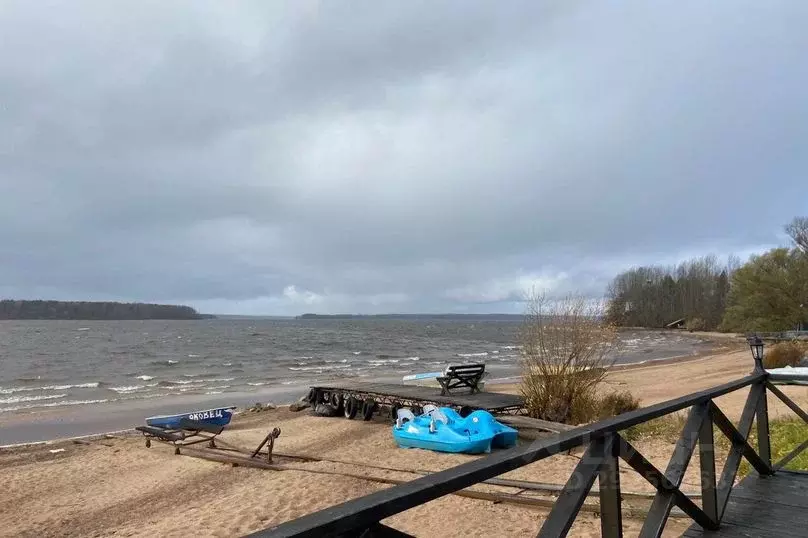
756, 345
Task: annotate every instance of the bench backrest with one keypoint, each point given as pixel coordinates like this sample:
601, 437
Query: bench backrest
465, 370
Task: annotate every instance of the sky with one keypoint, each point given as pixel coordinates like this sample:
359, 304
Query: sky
375, 157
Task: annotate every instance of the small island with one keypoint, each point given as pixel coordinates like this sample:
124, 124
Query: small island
100, 310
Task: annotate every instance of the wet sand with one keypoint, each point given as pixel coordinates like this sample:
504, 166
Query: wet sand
117, 486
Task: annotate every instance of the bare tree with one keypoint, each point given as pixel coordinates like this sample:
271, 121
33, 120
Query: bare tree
797, 229
567, 351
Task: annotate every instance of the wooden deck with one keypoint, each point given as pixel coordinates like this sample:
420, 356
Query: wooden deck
489, 401
764, 506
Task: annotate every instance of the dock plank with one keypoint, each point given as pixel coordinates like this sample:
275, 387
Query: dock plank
762, 506
489, 401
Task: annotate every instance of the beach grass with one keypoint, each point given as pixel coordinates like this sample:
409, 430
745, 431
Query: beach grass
785, 435
667, 428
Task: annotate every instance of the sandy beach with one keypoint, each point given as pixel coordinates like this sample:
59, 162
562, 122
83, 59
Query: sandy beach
116, 486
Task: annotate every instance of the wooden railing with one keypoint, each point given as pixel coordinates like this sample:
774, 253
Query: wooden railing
606, 447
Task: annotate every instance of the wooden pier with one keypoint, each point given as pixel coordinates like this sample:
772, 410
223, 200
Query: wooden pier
764, 506
410, 395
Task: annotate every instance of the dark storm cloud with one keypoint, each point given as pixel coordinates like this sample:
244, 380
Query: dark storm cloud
280, 158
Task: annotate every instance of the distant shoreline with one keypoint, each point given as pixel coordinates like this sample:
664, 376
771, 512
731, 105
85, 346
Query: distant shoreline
486, 317
11, 309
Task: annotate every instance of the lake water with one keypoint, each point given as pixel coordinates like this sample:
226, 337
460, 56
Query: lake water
48, 366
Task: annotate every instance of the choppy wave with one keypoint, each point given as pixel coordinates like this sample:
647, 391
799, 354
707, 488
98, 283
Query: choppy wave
201, 374
383, 361
168, 362
176, 382
145, 377
20, 399
127, 389
12, 390
51, 404
468, 355
320, 368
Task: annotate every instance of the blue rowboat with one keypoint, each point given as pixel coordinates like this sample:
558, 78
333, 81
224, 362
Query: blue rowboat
443, 430
217, 417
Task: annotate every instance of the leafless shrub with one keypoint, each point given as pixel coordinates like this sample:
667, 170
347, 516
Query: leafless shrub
785, 354
567, 351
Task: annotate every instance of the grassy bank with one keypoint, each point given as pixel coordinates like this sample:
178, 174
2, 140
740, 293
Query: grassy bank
785, 435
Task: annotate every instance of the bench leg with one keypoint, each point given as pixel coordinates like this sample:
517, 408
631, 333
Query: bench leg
444, 390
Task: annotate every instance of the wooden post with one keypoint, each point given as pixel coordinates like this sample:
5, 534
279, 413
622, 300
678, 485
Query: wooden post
611, 518
709, 498
762, 419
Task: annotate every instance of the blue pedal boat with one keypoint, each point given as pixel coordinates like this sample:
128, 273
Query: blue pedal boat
442, 429
217, 417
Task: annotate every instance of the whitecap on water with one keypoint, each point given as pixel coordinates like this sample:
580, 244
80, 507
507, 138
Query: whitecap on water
51, 404
20, 399
12, 390
126, 389
383, 361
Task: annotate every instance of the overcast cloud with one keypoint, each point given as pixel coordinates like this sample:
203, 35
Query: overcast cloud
364, 156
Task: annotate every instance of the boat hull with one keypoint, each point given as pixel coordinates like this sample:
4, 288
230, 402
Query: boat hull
217, 417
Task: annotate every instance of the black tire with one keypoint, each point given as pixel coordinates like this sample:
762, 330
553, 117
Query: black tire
465, 411
368, 407
351, 408
338, 402
312, 397
394, 411
325, 398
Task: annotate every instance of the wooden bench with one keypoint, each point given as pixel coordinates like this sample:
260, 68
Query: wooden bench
190, 432
463, 375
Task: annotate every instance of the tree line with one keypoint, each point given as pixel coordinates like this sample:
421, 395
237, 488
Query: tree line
86, 310
767, 293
